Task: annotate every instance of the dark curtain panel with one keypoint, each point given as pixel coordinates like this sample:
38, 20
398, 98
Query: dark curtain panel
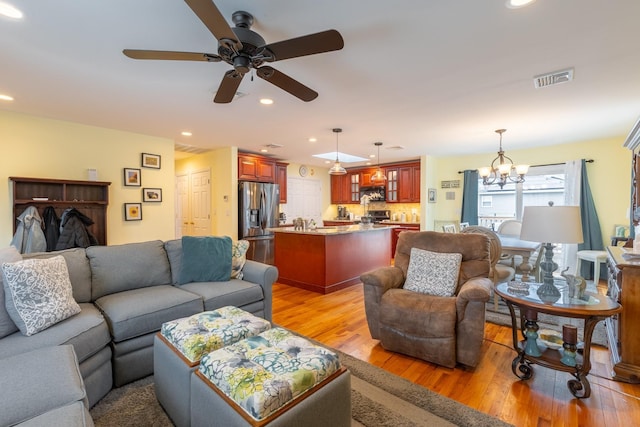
591, 232
470, 198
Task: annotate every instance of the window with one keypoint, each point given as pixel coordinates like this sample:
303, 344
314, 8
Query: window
486, 201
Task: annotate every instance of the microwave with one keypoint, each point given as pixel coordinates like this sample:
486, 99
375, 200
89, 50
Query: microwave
375, 193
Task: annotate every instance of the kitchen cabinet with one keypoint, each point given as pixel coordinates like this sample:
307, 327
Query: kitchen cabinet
281, 180
91, 198
354, 186
336, 223
409, 183
624, 341
400, 227
365, 177
340, 189
256, 168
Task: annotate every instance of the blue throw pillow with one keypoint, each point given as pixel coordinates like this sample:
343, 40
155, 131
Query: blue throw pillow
205, 259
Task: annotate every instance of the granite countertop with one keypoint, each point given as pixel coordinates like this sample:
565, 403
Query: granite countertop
387, 221
339, 229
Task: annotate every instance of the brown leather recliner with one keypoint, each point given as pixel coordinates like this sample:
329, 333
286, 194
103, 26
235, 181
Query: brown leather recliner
442, 330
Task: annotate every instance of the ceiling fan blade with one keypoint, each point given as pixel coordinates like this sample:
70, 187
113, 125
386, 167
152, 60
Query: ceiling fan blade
325, 41
228, 87
170, 55
286, 83
211, 17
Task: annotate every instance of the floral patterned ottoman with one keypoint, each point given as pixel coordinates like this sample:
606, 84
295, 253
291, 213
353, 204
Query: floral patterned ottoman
180, 345
274, 378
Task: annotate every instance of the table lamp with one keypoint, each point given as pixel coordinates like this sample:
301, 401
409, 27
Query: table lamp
548, 225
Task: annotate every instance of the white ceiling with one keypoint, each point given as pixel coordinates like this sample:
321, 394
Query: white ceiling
437, 76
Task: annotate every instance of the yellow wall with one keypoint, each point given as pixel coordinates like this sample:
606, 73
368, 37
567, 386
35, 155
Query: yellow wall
44, 148
609, 176
223, 164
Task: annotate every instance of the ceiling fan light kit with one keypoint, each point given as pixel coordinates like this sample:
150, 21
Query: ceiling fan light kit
245, 49
501, 173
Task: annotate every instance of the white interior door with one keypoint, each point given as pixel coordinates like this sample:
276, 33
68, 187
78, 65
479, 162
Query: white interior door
201, 203
182, 206
193, 204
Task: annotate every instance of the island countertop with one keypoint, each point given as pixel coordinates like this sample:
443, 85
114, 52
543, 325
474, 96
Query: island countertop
338, 229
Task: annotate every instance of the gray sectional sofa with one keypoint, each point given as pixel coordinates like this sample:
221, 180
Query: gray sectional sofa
125, 293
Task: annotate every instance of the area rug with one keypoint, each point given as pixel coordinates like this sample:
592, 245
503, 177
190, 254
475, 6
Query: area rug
378, 399
501, 316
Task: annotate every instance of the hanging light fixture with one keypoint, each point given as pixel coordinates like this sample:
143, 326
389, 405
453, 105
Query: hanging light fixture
378, 177
501, 172
337, 168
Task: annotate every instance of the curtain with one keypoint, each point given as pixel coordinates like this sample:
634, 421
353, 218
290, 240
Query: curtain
591, 232
470, 198
572, 179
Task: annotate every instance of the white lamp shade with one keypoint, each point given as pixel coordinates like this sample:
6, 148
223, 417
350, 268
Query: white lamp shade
522, 169
504, 168
551, 224
484, 171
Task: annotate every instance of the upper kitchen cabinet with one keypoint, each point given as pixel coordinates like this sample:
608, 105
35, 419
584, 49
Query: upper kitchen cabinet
340, 189
365, 177
403, 183
281, 180
256, 168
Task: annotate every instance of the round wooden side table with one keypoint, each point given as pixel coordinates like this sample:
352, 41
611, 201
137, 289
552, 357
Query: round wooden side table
592, 308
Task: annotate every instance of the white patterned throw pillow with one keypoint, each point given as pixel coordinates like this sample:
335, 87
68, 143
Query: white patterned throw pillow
433, 273
38, 293
238, 258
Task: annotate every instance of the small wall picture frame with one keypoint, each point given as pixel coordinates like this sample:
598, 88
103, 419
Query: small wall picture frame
132, 177
432, 195
150, 161
152, 194
133, 211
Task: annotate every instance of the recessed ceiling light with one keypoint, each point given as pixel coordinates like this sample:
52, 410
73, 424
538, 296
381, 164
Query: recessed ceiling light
6, 97
372, 156
312, 139
186, 133
515, 4
266, 101
9, 11
264, 150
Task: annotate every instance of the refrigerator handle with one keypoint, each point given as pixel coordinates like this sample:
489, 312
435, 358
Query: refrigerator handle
263, 209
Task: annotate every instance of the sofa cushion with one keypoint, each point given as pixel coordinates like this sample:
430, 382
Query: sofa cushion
7, 326
124, 267
238, 258
87, 331
205, 259
37, 374
137, 312
174, 253
38, 293
235, 292
433, 273
71, 415
79, 270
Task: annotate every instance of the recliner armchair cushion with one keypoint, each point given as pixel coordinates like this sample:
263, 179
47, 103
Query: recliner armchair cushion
433, 273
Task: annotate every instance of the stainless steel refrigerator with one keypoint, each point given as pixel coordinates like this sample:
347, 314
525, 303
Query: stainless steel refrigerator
258, 211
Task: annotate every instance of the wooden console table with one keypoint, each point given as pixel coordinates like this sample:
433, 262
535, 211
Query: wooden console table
597, 308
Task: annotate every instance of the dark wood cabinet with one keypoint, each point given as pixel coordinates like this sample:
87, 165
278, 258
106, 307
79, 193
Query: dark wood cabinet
409, 183
624, 340
281, 180
395, 232
340, 193
256, 168
89, 197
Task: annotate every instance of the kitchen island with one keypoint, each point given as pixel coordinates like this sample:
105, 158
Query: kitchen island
327, 259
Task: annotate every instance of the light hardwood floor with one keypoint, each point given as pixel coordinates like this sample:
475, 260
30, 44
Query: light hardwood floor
338, 320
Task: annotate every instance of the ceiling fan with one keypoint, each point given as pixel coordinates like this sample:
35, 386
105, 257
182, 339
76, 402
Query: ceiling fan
245, 49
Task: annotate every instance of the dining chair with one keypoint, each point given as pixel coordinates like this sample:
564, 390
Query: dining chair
449, 228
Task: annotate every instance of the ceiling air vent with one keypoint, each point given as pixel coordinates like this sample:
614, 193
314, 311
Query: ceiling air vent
273, 146
555, 78
395, 147
183, 148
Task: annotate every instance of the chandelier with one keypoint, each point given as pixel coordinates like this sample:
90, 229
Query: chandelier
378, 177
501, 170
337, 168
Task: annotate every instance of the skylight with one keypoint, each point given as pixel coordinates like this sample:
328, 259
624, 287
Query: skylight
344, 158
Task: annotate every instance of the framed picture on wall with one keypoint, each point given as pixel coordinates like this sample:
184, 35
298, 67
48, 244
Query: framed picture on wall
152, 194
132, 177
133, 211
150, 161
432, 195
